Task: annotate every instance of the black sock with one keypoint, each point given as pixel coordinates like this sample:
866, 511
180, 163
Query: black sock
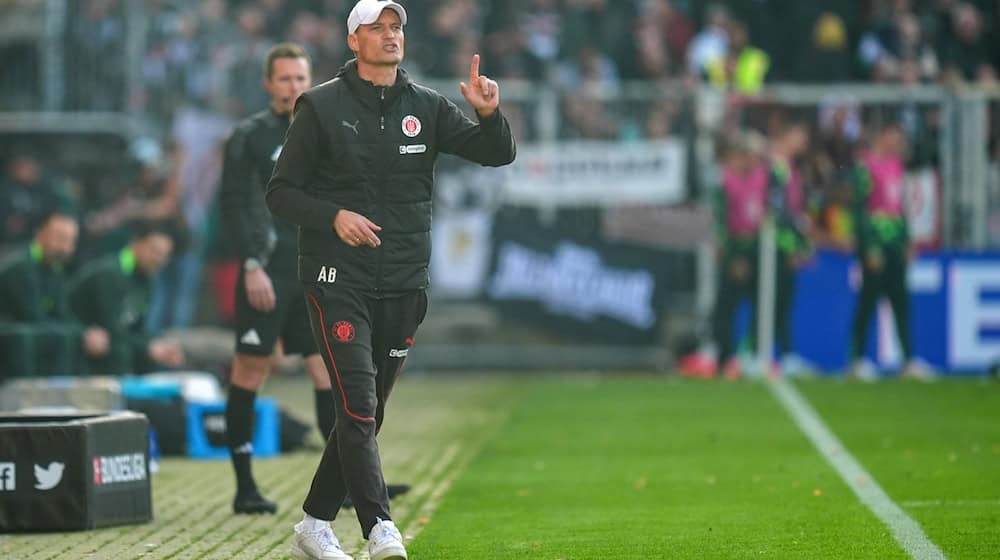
239, 435
325, 413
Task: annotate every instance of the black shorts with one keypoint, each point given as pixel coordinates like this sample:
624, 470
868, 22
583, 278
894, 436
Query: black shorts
257, 331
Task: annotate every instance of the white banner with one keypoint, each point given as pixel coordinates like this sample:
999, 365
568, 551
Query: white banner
922, 206
598, 172
461, 256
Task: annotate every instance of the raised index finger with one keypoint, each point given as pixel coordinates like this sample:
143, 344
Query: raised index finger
474, 70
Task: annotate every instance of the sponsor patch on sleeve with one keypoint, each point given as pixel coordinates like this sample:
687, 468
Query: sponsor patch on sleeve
412, 149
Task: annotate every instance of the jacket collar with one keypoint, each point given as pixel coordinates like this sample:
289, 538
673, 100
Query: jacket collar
280, 118
36, 253
126, 261
369, 93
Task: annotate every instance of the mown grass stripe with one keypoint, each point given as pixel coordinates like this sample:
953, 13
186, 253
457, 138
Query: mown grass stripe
428, 484
907, 532
357, 546
413, 524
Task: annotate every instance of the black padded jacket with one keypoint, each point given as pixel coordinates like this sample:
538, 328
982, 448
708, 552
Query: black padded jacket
371, 150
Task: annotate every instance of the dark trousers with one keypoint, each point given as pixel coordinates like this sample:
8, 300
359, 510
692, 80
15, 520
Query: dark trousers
732, 290
364, 342
784, 297
890, 281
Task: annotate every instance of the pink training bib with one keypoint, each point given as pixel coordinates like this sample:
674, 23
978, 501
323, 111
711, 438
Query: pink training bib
746, 193
887, 174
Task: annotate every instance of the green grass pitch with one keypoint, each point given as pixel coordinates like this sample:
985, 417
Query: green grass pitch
611, 466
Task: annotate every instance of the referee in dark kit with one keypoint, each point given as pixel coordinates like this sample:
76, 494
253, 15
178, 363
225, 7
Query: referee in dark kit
270, 305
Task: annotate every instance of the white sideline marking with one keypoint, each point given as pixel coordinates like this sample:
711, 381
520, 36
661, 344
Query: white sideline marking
905, 529
950, 503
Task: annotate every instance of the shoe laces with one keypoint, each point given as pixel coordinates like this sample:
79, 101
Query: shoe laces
327, 539
385, 531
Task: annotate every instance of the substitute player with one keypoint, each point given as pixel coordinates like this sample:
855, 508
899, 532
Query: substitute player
742, 204
883, 243
786, 199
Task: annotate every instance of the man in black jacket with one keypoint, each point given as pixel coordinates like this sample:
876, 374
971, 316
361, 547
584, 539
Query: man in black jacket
113, 293
269, 299
38, 334
356, 176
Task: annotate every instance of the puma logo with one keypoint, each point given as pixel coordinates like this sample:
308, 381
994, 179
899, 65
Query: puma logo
353, 127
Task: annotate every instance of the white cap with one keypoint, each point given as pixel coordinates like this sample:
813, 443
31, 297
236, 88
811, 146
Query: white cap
366, 12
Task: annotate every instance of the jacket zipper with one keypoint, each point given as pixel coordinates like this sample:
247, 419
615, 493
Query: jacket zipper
379, 187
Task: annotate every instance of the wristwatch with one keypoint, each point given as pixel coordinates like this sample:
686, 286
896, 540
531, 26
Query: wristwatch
251, 264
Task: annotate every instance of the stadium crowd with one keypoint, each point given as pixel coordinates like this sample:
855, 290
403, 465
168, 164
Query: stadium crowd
208, 52
199, 65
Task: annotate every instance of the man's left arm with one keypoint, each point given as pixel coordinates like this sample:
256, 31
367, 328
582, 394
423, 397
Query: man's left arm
489, 141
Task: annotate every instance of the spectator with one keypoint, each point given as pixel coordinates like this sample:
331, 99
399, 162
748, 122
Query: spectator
585, 81
325, 39
826, 56
507, 44
153, 196
277, 15
452, 23
659, 121
29, 192
967, 54
96, 37
542, 25
248, 48
743, 67
840, 128
601, 24
897, 45
712, 42
663, 34
113, 293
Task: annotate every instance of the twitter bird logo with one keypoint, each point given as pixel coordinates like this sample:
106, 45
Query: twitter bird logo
47, 478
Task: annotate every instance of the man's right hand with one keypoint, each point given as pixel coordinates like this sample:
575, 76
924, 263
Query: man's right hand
96, 341
355, 229
739, 269
260, 291
167, 352
873, 260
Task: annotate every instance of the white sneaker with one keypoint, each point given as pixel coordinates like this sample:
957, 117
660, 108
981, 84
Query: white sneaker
918, 370
312, 543
863, 370
793, 365
385, 542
